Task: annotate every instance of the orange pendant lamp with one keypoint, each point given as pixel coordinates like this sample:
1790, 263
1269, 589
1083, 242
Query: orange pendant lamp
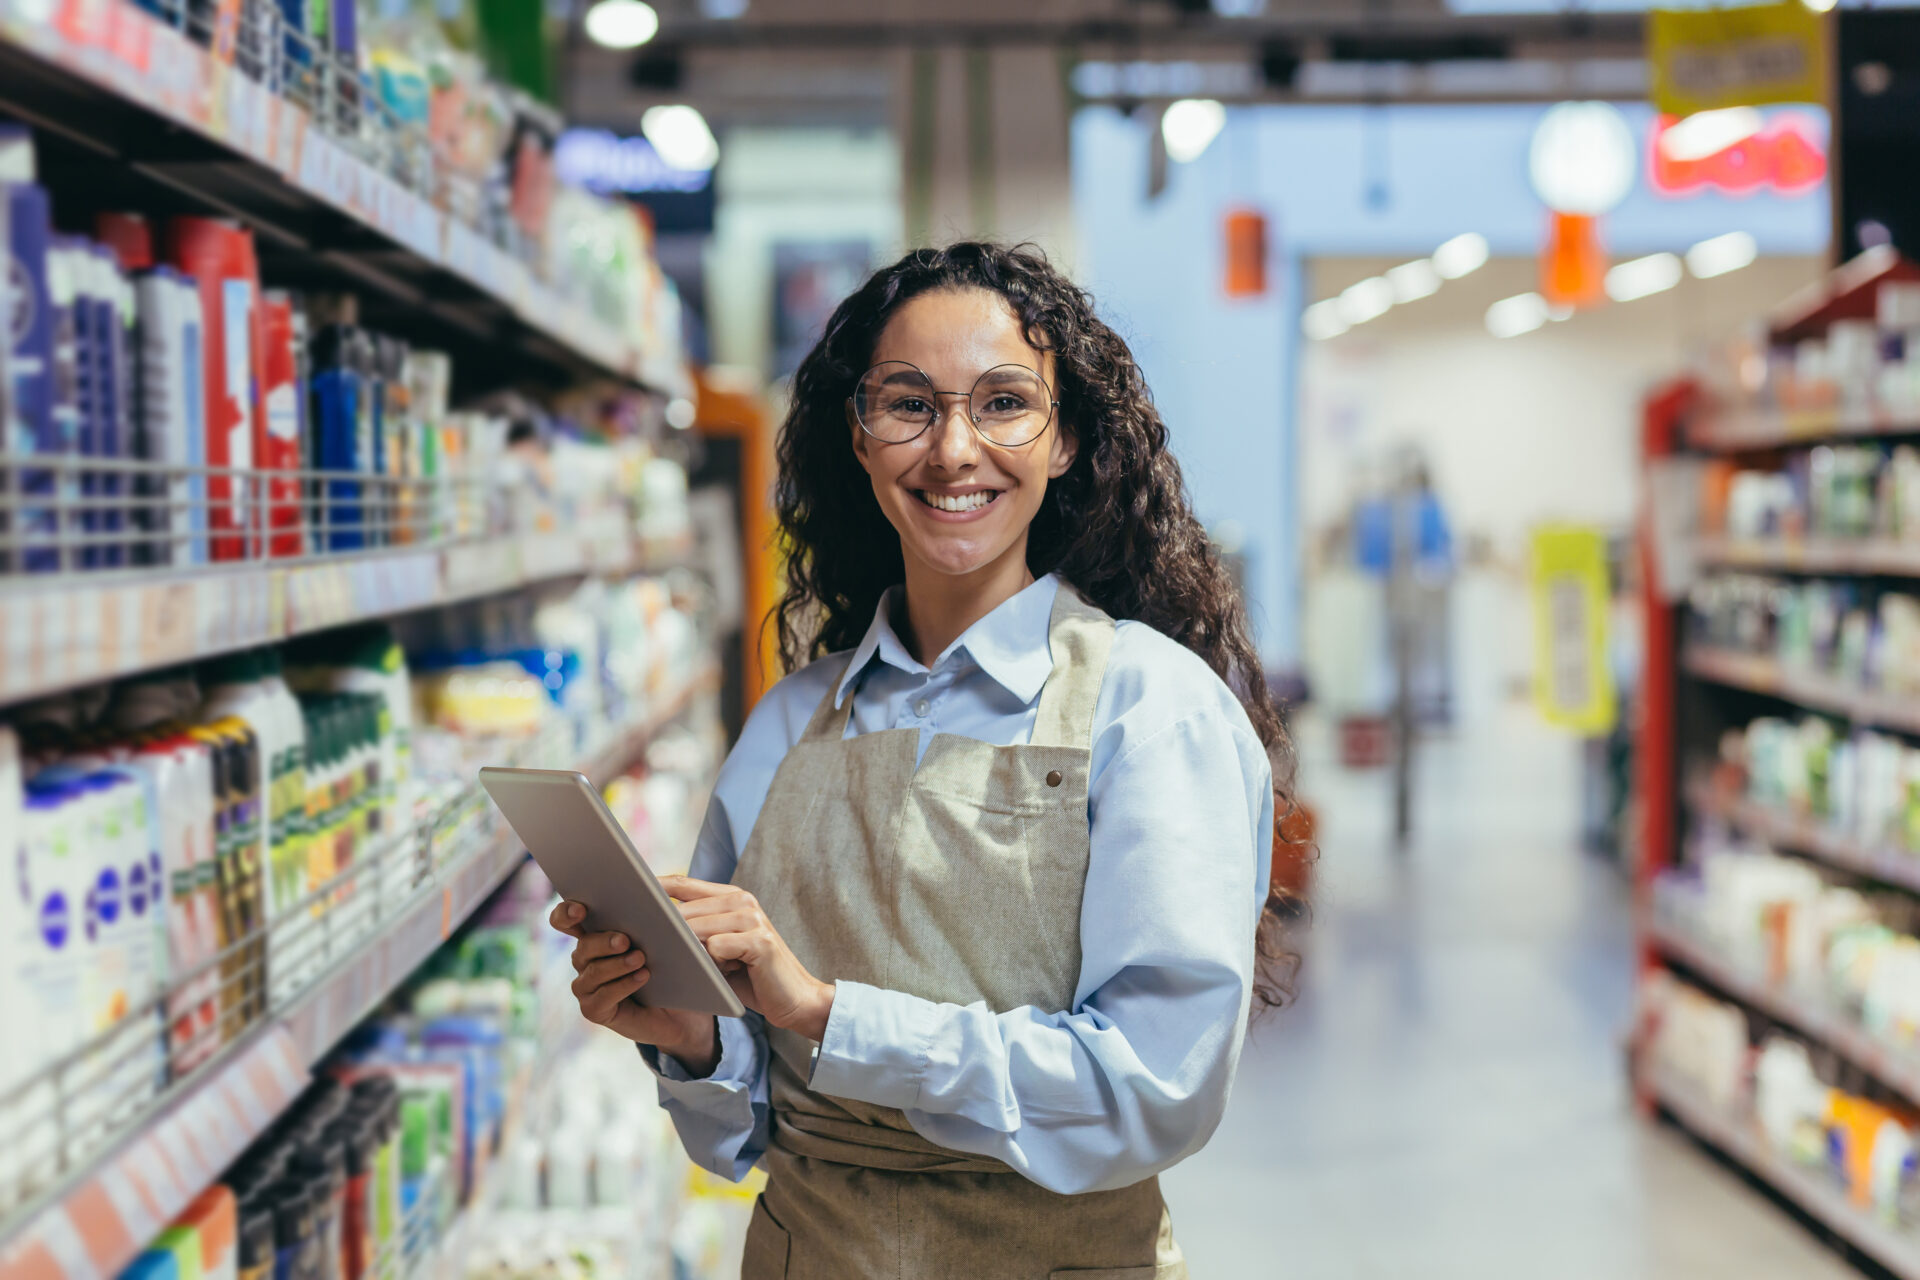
1582, 164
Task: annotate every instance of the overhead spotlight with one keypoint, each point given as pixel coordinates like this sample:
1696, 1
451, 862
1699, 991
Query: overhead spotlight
680, 134
1655, 273
621, 24
1367, 300
1820, 6
681, 413
1722, 254
1239, 8
1190, 126
723, 10
1323, 320
1522, 313
1414, 280
1707, 133
1462, 255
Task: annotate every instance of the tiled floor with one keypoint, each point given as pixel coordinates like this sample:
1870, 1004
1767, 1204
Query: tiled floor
1448, 1097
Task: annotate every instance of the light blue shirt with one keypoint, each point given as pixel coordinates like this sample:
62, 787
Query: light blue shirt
1134, 1076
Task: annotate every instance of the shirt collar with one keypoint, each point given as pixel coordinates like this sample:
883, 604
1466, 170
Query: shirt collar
1011, 644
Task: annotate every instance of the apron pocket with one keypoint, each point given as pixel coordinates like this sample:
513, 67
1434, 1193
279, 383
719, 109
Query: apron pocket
767, 1246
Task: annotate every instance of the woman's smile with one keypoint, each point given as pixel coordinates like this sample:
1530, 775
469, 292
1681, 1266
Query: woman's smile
953, 506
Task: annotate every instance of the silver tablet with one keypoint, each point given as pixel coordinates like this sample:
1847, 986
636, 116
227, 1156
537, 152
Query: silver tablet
566, 826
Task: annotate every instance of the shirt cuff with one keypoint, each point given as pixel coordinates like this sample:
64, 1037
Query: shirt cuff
736, 1056
876, 1046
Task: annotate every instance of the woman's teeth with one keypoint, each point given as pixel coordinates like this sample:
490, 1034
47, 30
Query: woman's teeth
959, 502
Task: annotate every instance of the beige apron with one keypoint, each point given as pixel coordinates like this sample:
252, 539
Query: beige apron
957, 881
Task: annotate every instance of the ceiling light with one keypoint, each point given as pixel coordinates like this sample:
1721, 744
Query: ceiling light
1722, 254
680, 134
1323, 320
1583, 158
1367, 300
1707, 133
1820, 6
1460, 256
681, 413
1643, 276
621, 24
1189, 127
1414, 280
723, 10
1511, 317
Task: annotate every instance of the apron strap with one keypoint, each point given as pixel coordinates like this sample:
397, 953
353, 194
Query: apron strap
1080, 638
829, 723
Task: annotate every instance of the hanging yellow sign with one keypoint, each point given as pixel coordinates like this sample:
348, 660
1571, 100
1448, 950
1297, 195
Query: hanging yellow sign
1572, 679
1706, 59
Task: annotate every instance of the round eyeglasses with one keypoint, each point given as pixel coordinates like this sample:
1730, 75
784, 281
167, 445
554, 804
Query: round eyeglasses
1008, 405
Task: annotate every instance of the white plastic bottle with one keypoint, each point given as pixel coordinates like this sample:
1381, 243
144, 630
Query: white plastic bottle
55, 880
14, 997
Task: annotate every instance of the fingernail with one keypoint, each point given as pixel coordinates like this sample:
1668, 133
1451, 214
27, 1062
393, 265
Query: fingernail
635, 960
575, 911
619, 942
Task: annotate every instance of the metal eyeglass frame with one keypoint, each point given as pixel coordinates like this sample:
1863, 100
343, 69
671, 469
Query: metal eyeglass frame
973, 418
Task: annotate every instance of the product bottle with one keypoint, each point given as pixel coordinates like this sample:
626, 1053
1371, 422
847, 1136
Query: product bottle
16, 1004
172, 426
342, 433
29, 362
205, 250
256, 1245
278, 445
64, 412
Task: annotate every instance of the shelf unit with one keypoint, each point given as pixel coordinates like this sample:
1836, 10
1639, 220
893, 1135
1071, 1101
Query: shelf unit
1811, 555
60, 631
1807, 1013
1896, 1252
1687, 700
198, 132
1757, 673
100, 1212
1754, 429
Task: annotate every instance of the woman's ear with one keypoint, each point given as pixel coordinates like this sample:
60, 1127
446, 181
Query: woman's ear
1065, 448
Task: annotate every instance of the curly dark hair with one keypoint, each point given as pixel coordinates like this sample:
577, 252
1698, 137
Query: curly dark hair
1118, 525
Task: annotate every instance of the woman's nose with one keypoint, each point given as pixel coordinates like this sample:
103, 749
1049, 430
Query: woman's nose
954, 445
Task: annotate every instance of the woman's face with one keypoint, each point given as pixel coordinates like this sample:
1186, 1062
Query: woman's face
953, 336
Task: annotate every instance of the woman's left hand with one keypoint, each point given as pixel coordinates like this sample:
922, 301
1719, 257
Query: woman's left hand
756, 960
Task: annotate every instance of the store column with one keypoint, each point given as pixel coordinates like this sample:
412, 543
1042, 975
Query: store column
984, 147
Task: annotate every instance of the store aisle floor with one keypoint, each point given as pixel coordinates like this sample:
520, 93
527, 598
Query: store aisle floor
1448, 1097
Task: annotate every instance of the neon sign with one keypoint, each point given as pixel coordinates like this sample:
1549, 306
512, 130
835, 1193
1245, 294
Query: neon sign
1787, 156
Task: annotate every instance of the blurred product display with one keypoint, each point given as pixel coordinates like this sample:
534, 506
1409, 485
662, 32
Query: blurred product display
1782, 1020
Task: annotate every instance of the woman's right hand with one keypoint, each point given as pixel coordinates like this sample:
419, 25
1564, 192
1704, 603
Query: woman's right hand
609, 971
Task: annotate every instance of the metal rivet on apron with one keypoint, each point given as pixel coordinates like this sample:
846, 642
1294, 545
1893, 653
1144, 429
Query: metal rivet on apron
1054, 779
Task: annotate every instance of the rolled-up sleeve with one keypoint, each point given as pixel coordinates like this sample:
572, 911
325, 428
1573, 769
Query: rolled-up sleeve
1135, 1075
723, 1118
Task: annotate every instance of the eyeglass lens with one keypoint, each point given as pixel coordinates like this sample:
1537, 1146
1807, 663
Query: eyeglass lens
1009, 405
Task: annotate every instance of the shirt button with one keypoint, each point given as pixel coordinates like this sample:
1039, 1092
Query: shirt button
921, 708
1054, 779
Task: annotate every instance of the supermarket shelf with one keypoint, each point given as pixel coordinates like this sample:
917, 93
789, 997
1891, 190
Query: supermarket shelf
1819, 1198
102, 1212
1766, 675
1803, 835
106, 78
59, 631
1812, 555
1738, 429
1898, 1069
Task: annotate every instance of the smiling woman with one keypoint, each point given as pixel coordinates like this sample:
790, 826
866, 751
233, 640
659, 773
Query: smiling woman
988, 867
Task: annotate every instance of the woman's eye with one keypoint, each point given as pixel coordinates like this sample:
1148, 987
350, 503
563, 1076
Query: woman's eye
911, 406
1006, 404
